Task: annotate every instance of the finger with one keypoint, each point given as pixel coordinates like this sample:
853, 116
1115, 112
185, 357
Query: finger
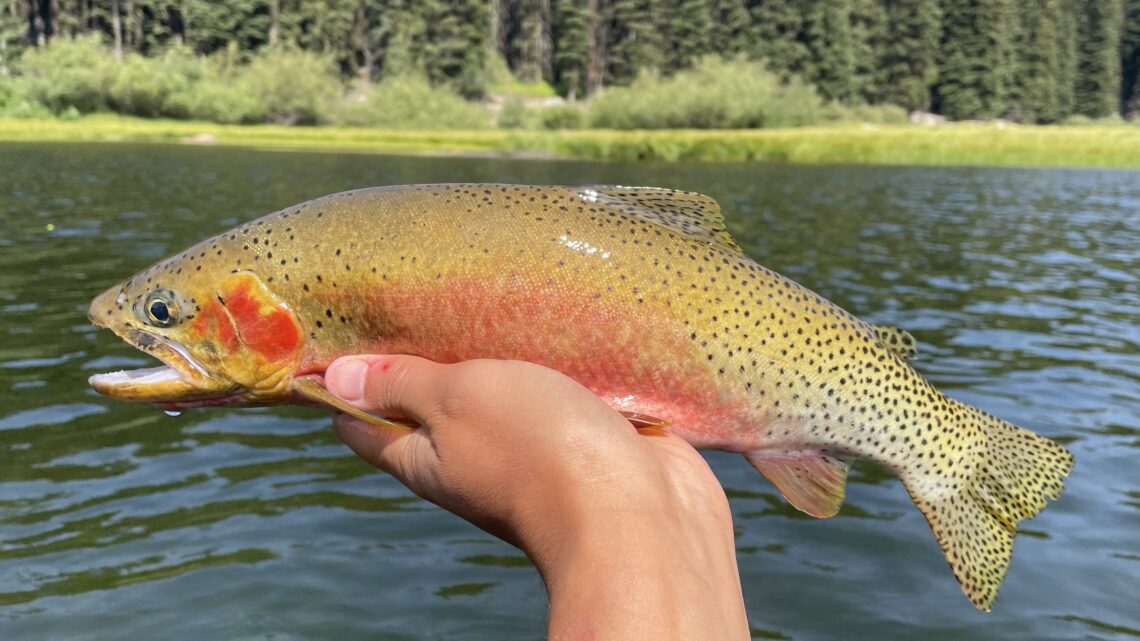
380, 446
398, 386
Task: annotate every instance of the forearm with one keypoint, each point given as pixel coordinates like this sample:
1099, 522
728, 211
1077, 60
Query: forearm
651, 571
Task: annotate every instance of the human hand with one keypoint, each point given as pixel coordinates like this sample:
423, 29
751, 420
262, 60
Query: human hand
631, 533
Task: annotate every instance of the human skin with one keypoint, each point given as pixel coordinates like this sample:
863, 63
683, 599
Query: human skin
631, 532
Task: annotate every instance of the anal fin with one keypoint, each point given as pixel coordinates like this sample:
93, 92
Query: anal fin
814, 483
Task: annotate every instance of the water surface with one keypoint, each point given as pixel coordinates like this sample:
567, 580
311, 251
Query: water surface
119, 522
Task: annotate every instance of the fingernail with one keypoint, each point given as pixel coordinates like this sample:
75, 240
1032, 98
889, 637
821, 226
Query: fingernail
346, 378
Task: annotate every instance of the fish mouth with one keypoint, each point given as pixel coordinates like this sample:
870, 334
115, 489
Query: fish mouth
181, 380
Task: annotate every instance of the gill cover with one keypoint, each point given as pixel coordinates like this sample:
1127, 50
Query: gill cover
248, 335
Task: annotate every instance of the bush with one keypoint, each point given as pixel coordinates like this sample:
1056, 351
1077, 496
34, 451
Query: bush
715, 94
513, 115
410, 102
562, 117
149, 87
294, 87
14, 103
68, 73
219, 97
500, 81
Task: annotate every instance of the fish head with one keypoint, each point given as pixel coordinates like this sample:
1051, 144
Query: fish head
223, 337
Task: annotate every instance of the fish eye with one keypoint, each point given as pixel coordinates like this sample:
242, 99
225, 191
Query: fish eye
160, 310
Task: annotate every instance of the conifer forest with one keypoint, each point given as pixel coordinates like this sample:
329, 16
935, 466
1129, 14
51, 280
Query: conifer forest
1032, 62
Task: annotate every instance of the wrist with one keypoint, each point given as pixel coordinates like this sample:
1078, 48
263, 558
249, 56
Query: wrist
645, 560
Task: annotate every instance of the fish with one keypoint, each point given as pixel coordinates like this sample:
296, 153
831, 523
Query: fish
638, 293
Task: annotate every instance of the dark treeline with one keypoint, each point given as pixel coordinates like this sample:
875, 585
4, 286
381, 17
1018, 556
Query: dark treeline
1039, 61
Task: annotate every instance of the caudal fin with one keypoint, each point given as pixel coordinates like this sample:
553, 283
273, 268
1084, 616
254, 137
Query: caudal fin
1005, 478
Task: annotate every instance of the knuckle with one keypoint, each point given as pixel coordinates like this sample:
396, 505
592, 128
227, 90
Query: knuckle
464, 391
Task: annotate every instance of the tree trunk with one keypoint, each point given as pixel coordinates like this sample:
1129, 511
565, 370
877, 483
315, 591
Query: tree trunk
274, 22
545, 46
362, 69
596, 47
498, 33
136, 25
117, 30
184, 20
36, 23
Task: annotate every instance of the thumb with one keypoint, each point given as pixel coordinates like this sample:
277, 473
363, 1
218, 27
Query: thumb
395, 386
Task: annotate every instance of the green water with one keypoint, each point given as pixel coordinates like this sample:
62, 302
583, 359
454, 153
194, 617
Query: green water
119, 522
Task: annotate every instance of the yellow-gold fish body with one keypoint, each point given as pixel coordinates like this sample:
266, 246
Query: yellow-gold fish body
638, 293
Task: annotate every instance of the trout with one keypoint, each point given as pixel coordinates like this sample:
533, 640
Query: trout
638, 293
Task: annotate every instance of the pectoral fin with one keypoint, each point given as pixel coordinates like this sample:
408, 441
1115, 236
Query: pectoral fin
814, 483
313, 389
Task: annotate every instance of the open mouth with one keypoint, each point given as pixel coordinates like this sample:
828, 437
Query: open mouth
180, 381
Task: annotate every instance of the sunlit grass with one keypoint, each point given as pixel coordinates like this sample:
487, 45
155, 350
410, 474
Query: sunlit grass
959, 144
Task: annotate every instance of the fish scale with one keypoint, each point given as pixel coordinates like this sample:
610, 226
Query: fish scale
638, 293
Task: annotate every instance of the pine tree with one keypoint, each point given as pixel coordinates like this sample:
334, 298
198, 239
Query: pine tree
457, 40
1000, 30
13, 28
1130, 59
778, 27
732, 31
215, 26
399, 33
1067, 53
1099, 29
634, 40
571, 46
979, 63
869, 30
909, 57
524, 37
533, 42
687, 26
1039, 95
830, 37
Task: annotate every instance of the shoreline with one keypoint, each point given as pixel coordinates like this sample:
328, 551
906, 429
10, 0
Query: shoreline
960, 144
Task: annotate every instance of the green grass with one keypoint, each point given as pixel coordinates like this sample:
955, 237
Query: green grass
958, 144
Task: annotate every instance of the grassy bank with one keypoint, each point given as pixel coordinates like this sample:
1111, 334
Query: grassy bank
958, 144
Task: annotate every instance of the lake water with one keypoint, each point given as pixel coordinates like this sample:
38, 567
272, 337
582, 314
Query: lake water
120, 522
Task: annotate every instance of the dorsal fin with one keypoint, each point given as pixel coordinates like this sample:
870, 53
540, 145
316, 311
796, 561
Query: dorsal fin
897, 340
685, 212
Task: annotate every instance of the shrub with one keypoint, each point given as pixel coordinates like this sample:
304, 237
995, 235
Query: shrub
715, 94
500, 81
294, 87
68, 73
218, 97
410, 102
14, 103
562, 117
513, 115
148, 86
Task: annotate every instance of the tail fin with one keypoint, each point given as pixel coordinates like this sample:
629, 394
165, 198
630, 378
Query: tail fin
1004, 479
